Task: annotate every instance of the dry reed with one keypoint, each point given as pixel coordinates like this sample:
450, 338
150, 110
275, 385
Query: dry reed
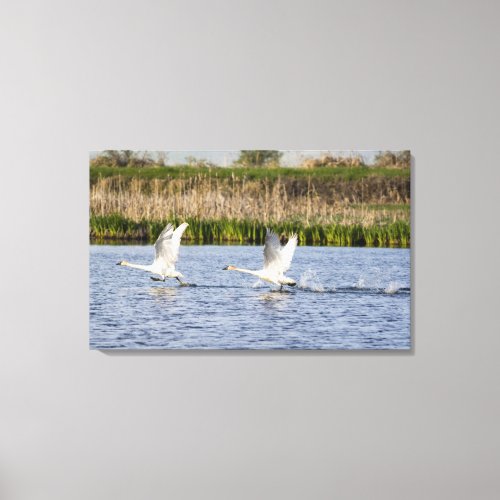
279, 200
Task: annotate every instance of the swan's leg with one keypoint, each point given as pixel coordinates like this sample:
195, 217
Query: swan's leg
157, 279
281, 288
182, 283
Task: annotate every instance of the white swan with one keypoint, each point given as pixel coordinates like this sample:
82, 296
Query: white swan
167, 252
277, 260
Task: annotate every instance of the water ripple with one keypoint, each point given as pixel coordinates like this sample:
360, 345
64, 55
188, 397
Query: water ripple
346, 298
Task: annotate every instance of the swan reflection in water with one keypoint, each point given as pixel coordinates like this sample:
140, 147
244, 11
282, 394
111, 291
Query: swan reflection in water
164, 293
275, 299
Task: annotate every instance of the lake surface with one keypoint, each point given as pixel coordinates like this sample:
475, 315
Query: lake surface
346, 298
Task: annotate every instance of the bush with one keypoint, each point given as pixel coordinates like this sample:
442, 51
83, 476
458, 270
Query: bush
122, 159
328, 160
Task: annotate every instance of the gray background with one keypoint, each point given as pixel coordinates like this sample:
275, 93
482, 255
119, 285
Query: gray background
90, 75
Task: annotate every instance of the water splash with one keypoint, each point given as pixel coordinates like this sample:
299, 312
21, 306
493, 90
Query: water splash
258, 284
392, 287
309, 279
361, 283
371, 278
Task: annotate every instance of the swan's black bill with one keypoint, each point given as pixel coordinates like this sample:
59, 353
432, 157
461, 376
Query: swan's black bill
225, 268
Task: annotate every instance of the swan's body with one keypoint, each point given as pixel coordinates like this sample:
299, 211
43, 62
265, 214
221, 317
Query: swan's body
166, 254
277, 261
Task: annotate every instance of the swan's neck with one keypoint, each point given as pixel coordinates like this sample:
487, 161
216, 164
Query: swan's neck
248, 271
138, 266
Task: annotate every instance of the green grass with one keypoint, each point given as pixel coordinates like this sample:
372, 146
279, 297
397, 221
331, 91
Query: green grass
182, 171
390, 207
114, 228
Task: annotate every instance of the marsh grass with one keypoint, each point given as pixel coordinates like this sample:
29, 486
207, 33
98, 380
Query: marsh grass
115, 227
281, 199
325, 206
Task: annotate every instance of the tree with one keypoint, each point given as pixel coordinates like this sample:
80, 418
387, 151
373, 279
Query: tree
404, 158
117, 158
259, 157
139, 159
162, 158
398, 159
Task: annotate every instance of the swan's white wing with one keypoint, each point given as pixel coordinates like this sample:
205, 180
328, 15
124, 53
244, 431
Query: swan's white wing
276, 257
164, 235
168, 243
272, 251
287, 252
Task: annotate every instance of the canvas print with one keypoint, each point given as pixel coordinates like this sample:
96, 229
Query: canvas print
250, 249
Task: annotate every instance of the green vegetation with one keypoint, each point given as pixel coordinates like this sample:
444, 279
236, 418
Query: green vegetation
116, 227
251, 173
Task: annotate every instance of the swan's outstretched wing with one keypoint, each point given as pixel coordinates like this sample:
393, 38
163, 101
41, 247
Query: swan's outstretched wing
168, 243
276, 257
272, 248
287, 252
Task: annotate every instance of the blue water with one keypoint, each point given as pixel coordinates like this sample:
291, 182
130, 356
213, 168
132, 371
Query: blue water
346, 298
